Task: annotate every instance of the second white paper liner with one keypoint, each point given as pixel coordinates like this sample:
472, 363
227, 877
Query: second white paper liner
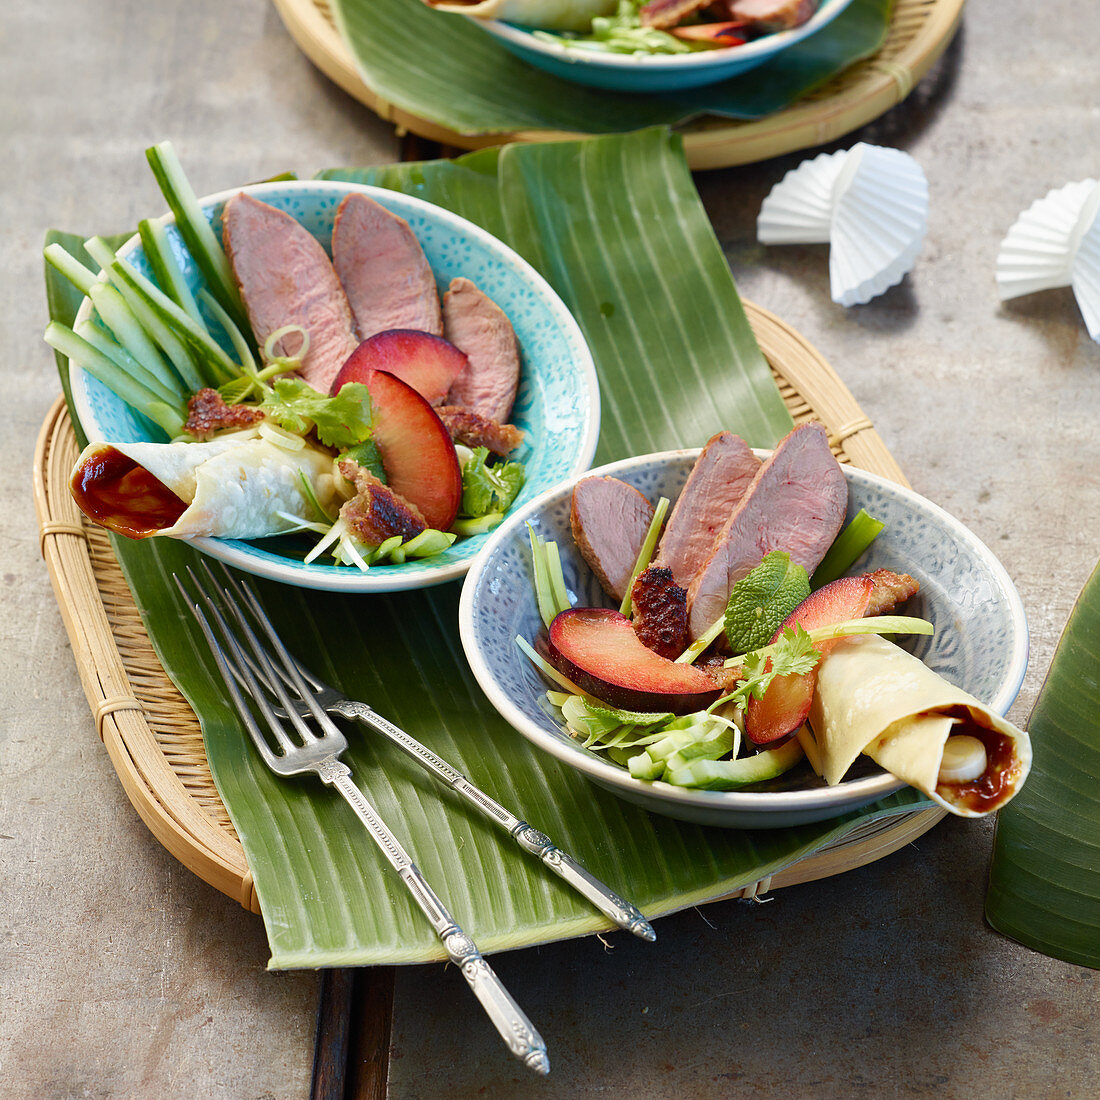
870, 203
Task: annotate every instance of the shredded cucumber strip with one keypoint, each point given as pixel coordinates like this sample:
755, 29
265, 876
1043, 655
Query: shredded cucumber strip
166, 414
847, 548
166, 270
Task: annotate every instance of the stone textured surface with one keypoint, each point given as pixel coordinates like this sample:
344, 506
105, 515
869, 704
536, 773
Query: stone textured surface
122, 975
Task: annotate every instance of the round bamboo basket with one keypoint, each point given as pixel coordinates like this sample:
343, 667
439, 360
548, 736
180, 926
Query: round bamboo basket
153, 737
919, 32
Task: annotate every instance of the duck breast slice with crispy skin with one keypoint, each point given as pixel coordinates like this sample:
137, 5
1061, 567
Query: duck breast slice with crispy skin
477, 326
768, 16
796, 503
286, 278
609, 520
719, 479
383, 269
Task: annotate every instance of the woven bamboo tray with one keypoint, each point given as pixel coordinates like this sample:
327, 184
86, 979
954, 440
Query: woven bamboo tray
919, 32
153, 737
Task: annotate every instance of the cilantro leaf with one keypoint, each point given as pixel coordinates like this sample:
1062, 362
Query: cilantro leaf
488, 488
340, 421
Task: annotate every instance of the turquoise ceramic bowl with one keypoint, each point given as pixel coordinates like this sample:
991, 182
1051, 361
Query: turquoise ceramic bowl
654, 72
558, 404
980, 643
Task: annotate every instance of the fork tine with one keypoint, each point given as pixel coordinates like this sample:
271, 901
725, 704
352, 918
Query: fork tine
275, 678
231, 677
289, 670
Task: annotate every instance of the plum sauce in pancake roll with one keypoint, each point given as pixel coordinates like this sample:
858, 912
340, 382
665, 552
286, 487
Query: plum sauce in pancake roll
233, 487
874, 698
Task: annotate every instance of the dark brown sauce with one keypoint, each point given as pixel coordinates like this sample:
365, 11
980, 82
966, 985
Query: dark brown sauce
122, 496
994, 785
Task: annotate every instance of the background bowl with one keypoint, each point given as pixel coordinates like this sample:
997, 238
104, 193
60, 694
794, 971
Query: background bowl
980, 644
557, 406
653, 72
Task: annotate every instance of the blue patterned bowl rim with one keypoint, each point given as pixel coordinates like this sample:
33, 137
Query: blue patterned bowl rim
516, 701
561, 389
750, 53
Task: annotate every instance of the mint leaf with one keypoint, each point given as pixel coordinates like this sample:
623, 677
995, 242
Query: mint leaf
761, 601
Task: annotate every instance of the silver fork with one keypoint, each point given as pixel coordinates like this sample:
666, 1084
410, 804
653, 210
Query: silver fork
529, 839
319, 752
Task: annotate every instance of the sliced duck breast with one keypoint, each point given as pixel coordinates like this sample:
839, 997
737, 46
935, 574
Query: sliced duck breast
766, 16
385, 274
286, 278
717, 482
609, 520
476, 325
796, 503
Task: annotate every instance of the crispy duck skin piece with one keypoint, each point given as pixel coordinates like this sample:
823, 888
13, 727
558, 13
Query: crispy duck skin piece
471, 429
609, 520
208, 413
660, 612
376, 512
715, 667
662, 14
890, 590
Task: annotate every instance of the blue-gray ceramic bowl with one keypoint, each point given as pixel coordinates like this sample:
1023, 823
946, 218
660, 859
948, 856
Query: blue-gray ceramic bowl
653, 72
557, 406
980, 643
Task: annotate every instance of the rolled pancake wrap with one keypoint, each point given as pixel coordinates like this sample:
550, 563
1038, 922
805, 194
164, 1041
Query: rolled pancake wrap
874, 698
552, 15
231, 487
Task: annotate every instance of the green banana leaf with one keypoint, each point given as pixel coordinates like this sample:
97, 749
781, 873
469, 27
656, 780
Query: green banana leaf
1044, 884
446, 69
328, 897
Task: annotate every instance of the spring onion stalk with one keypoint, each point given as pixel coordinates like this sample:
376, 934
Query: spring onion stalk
196, 230
166, 271
81, 277
236, 337
645, 554
549, 670
167, 415
715, 630
102, 342
847, 548
872, 624
550, 590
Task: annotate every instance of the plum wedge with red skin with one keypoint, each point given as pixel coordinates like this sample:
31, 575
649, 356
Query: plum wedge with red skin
598, 650
416, 450
786, 703
428, 363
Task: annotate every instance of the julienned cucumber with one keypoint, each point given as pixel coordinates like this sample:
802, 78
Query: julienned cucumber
729, 775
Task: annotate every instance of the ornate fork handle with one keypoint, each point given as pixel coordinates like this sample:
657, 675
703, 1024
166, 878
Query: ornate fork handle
508, 1018
528, 838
